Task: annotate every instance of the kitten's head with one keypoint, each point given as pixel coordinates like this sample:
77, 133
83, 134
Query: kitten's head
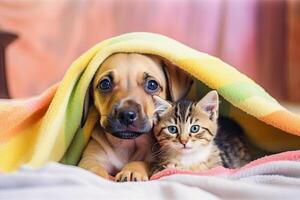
186, 126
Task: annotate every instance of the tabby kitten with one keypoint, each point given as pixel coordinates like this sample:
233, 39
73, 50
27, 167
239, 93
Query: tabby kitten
191, 137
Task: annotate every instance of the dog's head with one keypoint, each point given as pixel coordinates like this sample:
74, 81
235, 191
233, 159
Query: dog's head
123, 88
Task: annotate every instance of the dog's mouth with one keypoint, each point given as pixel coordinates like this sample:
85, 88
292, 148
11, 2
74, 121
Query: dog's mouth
119, 130
126, 134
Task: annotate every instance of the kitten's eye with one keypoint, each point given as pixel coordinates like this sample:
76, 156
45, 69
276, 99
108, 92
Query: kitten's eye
173, 129
195, 128
105, 85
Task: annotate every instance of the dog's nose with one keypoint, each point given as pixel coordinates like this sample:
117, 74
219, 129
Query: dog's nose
127, 117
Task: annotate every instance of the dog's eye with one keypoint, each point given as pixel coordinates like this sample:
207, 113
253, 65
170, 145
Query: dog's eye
151, 86
172, 129
105, 85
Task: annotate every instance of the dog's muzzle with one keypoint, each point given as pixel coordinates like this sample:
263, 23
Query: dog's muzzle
127, 117
127, 128
127, 122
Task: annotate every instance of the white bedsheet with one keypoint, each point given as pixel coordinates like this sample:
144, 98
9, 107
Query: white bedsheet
276, 180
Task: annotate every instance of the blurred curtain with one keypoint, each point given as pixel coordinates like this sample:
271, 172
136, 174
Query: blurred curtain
293, 51
257, 37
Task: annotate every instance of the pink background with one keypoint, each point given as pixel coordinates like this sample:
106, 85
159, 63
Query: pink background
52, 33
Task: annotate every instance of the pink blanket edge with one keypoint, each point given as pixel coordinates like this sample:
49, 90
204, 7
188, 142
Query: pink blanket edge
217, 171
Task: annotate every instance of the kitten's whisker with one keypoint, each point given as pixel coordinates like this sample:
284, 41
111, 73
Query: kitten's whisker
158, 153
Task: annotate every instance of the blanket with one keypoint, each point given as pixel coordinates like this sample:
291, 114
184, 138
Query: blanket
275, 177
48, 127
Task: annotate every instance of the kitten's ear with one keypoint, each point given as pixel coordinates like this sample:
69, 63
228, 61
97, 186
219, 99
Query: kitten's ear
160, 106
210, 104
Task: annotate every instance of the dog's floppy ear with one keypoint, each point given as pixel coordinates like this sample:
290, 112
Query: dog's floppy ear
88, 100
178, 82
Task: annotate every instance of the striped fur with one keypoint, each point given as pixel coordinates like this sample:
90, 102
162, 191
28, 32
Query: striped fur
198, 150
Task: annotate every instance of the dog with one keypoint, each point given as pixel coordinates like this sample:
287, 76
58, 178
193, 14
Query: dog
122, 91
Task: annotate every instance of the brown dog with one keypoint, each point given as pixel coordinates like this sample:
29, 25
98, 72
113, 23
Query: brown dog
122, 92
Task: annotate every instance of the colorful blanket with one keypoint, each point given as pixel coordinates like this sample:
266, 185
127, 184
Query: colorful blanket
48, 127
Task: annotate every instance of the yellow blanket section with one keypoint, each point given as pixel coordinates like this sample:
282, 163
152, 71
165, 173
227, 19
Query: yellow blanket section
48, 127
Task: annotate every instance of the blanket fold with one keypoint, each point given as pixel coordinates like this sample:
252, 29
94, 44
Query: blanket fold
48, 127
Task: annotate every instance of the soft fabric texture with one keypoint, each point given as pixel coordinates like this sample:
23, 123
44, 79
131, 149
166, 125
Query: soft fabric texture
49, 127
259, 167
275, 177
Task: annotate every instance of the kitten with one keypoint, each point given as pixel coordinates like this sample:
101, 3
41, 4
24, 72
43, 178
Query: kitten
191, 137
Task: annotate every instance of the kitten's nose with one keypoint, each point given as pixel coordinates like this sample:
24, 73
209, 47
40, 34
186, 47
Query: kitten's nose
184, 142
